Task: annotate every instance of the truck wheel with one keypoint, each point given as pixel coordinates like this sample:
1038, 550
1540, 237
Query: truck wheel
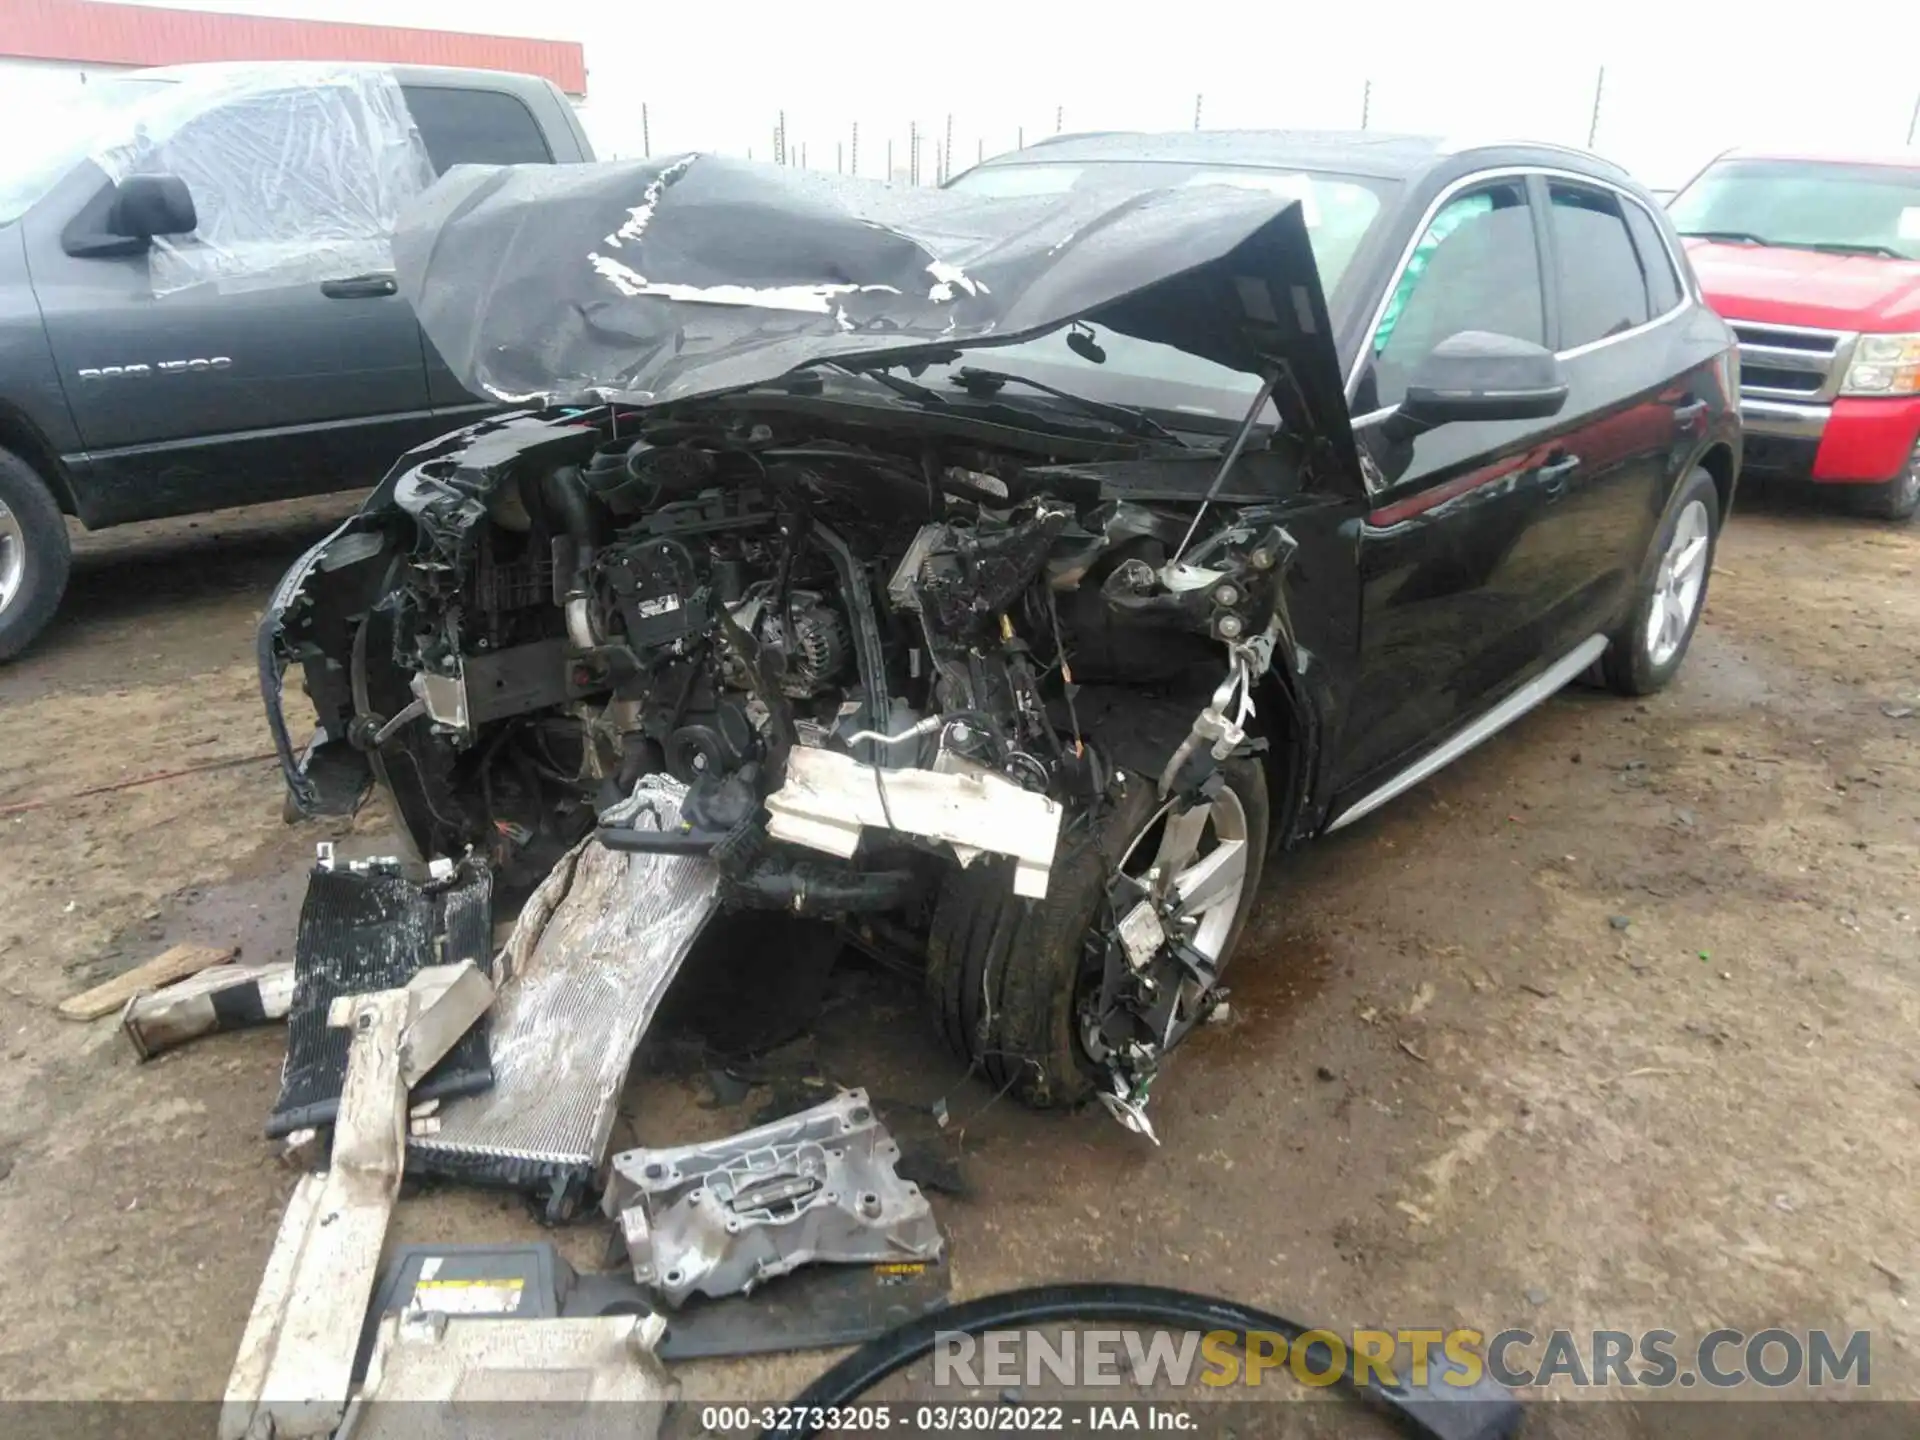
1896, 499
1006, 976
1645, 653
35, 555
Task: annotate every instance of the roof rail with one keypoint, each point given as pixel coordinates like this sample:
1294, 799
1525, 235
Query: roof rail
1075, 135
1453, 145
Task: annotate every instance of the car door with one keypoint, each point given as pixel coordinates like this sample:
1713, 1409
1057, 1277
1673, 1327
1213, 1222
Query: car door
463, 126
227, 393
1640, 398
1450, 594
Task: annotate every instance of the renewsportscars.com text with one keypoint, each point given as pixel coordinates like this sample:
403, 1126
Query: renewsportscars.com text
1520, 1359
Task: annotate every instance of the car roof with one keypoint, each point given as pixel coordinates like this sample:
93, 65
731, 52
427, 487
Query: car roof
405, 74
1375, 153
1898, 160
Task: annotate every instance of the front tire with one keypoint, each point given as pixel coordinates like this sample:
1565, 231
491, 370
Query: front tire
1005, 975
1645, 653
35, 555
1895, 499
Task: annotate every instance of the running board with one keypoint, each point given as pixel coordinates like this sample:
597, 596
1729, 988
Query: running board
1548, 682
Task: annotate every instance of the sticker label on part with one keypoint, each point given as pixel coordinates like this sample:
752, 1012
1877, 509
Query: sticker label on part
468, 1297
1142, 934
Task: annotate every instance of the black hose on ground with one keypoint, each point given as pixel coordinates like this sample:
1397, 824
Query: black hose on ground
1438, 1410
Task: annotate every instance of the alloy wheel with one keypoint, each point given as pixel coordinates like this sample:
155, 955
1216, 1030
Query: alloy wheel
1194, 864
1678, 584
13, 557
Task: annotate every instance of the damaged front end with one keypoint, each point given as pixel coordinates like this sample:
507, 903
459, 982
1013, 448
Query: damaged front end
882, 634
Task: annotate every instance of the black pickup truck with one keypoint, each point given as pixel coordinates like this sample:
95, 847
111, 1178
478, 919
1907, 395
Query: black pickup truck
173, 337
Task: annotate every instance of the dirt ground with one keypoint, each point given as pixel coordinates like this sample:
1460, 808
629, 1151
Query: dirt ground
1610, 1024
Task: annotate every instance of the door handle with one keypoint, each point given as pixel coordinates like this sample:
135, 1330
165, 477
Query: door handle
359, 287
1553, 475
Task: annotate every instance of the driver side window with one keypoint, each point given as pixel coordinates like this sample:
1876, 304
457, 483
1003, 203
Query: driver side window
289, 186
242, 160
1477, 267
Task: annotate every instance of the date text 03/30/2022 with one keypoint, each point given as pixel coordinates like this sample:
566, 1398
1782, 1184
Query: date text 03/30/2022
963, 1418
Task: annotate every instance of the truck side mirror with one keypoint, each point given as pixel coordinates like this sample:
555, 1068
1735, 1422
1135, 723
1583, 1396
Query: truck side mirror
148, 205
1476, 375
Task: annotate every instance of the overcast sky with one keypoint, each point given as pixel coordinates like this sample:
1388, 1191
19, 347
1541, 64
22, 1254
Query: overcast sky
1684, 79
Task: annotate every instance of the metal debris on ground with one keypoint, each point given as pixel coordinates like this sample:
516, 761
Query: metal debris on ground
303, 1150
819, 1308
293, 1374
220, 998
589, 959
1128, 1105
429, 1368
720, 1218
367, 926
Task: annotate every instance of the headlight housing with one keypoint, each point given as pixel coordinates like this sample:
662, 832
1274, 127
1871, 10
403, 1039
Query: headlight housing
1884, 365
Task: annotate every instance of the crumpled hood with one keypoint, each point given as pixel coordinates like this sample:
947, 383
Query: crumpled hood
1776, 284
663, 280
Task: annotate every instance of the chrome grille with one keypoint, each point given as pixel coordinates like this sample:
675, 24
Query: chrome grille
1787, 362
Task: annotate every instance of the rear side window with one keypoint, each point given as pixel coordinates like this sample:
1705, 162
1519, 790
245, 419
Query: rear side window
1602, 289
1663, 286
476, 127
1477, 267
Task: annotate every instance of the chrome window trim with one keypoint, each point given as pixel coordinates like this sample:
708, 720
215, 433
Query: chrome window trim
1683, 274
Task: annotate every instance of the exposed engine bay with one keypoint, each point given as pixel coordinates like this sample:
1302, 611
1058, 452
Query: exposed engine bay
866, 661
984, 670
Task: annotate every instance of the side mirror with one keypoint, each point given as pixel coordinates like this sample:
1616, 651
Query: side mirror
148, 205
1475, 375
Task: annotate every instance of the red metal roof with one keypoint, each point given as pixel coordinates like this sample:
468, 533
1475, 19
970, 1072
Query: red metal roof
92, 33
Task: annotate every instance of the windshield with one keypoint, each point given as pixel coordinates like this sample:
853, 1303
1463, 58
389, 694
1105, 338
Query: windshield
1805, 204
1102, 364
1338, 209
40, 151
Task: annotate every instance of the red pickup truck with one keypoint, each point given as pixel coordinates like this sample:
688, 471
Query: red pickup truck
1815, 263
